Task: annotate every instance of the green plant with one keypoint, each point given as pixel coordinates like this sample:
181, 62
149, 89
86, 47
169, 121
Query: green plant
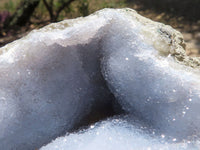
10, 6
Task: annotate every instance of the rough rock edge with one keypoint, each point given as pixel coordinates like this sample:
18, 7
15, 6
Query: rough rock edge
176, 40
175, 37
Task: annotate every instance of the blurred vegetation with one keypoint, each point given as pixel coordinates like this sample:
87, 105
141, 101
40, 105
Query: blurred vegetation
20, 16
190, 9
55, 10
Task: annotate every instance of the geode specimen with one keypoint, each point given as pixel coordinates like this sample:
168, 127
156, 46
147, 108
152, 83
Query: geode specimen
53, 78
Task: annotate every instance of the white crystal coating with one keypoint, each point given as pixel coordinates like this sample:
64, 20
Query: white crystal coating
116, 134
151, 84
52, 78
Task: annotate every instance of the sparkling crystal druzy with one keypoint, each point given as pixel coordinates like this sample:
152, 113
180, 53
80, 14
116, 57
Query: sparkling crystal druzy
54, 77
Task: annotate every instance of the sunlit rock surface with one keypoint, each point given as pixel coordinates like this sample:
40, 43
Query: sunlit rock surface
53, 78
117, 134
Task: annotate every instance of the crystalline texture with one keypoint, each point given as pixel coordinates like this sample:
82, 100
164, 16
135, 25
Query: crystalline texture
115, 134
51, 79
149, 82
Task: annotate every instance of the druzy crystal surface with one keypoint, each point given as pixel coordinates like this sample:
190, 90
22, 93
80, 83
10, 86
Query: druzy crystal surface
56, 77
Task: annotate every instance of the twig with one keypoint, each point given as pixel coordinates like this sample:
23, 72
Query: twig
49, 8
62, 7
